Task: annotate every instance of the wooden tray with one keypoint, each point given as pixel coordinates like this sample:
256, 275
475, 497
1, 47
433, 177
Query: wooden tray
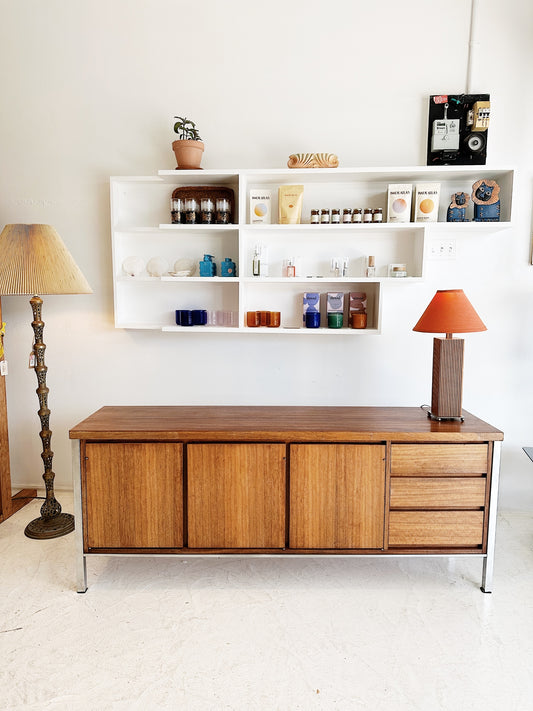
199, 192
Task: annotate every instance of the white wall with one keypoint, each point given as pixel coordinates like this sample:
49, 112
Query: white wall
89, 90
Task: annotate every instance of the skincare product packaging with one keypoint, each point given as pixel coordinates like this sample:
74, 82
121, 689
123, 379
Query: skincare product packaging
335, 302
399, 202
335, 309
290, 200
260, 202
311, 305
397, 270
357, 302
426, 202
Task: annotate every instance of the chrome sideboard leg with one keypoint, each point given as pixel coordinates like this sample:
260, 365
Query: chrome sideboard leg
81, 567
488, 560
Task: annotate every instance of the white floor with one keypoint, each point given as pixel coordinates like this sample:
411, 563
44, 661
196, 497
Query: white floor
265, 634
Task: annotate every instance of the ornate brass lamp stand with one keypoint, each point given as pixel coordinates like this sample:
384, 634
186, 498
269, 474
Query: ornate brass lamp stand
52, 523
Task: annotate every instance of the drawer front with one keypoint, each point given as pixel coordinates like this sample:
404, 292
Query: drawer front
437, 492
434, 529
444, 459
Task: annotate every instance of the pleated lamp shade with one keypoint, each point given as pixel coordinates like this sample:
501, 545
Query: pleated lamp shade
34, 260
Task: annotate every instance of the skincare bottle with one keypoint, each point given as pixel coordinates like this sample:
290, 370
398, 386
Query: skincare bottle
260, 261
256, 262
371, 268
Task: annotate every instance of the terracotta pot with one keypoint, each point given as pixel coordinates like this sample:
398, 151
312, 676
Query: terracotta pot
188, 154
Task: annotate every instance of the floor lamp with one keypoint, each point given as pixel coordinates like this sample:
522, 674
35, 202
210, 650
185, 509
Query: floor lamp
34, 260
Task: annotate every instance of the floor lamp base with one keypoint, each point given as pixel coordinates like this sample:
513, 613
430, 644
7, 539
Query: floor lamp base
54, 527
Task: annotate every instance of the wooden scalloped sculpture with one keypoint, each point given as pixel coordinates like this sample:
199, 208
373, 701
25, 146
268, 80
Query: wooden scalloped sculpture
313, 160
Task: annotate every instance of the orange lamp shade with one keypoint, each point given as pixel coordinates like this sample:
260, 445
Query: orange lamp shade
450, 312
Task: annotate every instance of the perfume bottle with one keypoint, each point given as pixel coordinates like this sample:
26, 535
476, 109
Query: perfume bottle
371, 268
289, 267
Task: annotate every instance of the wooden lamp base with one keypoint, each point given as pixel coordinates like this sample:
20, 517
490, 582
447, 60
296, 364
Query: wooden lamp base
447, 386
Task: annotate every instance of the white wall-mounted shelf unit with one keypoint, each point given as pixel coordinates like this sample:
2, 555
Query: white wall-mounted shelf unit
141, 226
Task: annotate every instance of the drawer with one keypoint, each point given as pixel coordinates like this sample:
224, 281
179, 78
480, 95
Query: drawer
445, 459
437, 492
434, 529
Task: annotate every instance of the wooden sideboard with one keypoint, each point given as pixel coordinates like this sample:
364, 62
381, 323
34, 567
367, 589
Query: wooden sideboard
381, 481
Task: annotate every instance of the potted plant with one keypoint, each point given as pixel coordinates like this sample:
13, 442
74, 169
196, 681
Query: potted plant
189, 147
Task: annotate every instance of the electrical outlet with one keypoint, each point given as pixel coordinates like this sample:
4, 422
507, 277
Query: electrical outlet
443, 249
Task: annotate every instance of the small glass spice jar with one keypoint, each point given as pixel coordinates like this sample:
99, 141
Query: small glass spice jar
367, 214
191, 206
223, 213
207, 210
357, 214
377, 215
324, 216
315, 217
176, 210
346, 215
335, 216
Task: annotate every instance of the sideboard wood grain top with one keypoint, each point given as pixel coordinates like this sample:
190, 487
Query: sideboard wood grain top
272, 423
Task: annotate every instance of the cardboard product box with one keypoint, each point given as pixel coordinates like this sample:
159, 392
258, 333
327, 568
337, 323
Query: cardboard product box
399, 202
426, 203
335, 303
260, 207
357, 301
311, 301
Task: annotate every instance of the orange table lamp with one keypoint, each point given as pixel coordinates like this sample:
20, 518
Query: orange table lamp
448, 312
